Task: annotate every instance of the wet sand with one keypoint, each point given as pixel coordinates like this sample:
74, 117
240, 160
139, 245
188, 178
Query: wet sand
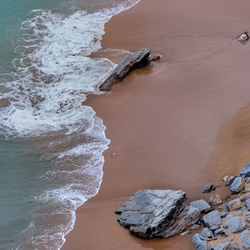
177, 123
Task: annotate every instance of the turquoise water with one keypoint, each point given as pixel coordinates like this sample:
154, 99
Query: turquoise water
51, 145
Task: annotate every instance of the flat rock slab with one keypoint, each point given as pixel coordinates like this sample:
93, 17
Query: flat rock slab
157, 213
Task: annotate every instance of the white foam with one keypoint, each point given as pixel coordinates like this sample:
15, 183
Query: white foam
54, 74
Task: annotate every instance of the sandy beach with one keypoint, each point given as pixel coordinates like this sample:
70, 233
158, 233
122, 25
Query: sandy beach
175, 124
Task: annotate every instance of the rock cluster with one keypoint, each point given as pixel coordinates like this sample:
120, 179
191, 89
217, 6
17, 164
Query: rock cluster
228, 226
164, 213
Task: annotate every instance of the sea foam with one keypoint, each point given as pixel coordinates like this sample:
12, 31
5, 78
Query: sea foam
53, 75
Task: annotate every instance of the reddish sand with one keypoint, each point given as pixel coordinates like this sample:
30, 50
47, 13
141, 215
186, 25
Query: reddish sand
177, 123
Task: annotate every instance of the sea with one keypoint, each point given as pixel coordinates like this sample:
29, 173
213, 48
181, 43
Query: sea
51, 142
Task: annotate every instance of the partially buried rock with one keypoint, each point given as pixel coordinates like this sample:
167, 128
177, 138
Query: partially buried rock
208, 187
157, 213
245, 171
234, 204
237, 185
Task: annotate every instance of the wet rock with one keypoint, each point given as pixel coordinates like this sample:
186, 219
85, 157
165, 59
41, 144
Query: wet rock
219, 246
237, 185
234, 204
202, 205
206, 234
245, 239
245, 171
157, 213
198, 243
236, 224
215, 200
212, 220
208, 187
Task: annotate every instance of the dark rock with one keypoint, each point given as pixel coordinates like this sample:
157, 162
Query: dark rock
212, 220
198, 243
248, 204
245, 171
202, 205
130, 62
245, 239
237, 185
236, 224
215, 200
206, 234
234, 204
157, 213
208, 187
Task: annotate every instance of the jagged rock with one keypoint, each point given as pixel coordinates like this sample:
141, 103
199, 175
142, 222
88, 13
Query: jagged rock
198, 243
215, 200
202, 205
208, 187
234, 204
236, 224
157, 213
219, 246
237, 185
245, 171
206, 234
245, 239
228, 180
212, 220
132, 61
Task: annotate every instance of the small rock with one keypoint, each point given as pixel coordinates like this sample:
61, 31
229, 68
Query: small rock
220, 231
220, 246
237, 185
202, 205
243, 37
234, 204
245, 239
206, 234
198, 243
236, 224
247, 187
228, 180
195, 226
223, 214
235, 246
248, 216
212, 220
185, 233
208, 187
215, 200
245, 171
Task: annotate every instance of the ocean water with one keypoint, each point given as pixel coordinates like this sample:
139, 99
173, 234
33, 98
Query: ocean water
51, 143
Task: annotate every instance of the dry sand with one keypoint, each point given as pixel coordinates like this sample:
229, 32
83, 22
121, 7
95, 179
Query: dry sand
177, 123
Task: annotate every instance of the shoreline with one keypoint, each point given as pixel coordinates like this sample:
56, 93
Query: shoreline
200, 63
